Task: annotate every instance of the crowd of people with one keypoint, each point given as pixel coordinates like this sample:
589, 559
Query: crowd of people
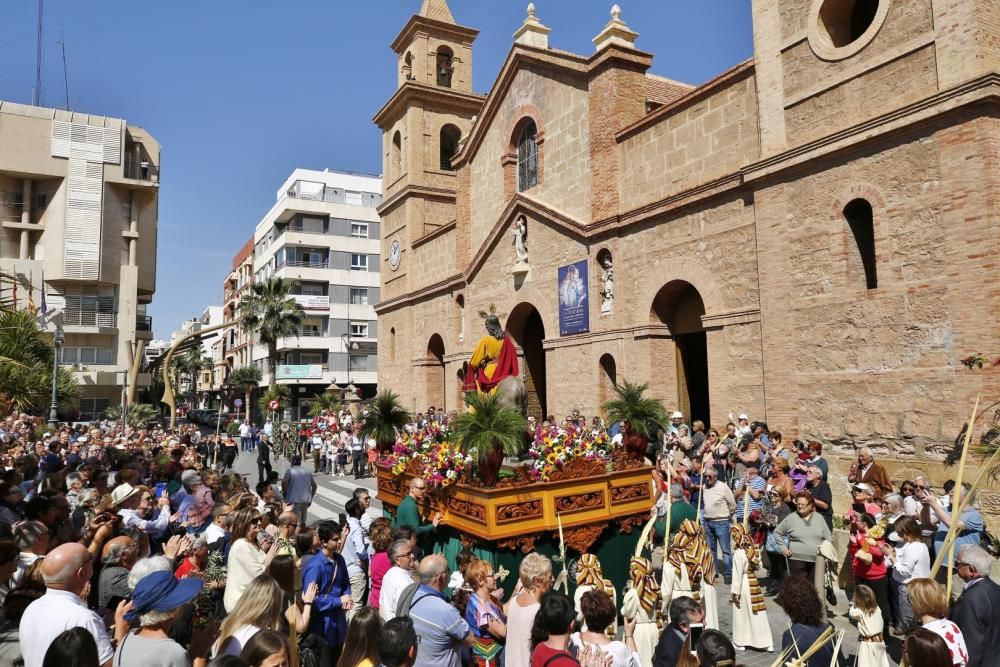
140, 546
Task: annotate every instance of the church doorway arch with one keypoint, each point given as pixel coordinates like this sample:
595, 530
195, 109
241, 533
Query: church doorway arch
608, 379
526, 327
679, 306
435, 374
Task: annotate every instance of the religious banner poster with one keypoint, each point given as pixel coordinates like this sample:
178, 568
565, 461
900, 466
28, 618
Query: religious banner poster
574, 311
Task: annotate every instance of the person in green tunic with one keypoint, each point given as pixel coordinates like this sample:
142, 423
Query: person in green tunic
408, 512
680, 510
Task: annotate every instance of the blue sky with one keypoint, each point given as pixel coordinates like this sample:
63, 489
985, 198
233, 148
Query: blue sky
240, 92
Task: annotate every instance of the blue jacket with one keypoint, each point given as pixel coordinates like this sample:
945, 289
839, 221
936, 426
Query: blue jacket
329, 620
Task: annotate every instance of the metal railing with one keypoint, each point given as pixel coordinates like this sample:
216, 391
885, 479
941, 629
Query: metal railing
143, 323
135, 169
89, 318
305, 265
303, 230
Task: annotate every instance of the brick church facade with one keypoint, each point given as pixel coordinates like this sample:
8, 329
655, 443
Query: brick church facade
812, 237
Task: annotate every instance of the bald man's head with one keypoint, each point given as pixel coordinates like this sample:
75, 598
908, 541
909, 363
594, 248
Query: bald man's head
119, 551
68, 567
430, 570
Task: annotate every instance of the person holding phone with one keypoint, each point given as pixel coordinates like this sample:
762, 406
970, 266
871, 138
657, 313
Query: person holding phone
687, 618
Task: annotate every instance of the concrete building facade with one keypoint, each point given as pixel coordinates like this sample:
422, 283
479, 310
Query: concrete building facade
79, 210
323, 235
811, 237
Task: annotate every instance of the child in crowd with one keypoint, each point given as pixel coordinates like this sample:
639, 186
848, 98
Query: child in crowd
871, 644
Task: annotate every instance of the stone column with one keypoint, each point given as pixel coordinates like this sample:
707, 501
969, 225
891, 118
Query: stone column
133, 227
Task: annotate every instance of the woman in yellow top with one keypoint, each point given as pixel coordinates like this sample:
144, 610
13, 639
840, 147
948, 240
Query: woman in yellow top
359, 647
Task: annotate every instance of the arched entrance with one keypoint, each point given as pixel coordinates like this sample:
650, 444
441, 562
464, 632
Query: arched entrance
435, 374
527, 329
679, 306
608, 379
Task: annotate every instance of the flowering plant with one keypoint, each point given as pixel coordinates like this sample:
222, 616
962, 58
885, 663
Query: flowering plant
554, 446
429, 453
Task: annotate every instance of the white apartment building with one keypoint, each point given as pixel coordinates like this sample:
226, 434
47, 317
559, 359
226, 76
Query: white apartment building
78, 209
323, 234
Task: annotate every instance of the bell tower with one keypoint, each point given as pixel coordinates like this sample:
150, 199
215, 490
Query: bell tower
422, 126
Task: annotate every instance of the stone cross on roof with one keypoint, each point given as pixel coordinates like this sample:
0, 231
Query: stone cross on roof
437, 10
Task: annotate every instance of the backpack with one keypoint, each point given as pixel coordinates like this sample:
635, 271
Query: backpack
406, 601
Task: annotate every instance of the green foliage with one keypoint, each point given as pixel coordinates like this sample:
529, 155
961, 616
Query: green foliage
637, 413
233, 429
385, 419
138, 414
278, 392
328, 400
268, 310
245, 376
489, 426
26, 354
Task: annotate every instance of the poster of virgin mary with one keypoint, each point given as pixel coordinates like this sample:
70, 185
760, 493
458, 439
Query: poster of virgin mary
574, 311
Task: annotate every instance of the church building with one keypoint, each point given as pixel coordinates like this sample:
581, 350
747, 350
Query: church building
811, 238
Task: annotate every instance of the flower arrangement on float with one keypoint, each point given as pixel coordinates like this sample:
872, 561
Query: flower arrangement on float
429, 453
554, 446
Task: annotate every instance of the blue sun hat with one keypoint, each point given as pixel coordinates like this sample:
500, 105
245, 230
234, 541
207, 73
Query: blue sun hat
160, 591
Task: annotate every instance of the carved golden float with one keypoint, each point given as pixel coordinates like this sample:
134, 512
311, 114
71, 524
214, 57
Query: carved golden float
517, 513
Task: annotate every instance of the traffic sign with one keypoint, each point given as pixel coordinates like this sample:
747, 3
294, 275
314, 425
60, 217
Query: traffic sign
273, 404
238, 402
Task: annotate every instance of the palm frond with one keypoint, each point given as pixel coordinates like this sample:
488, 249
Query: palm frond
386, 418
634, 410
489, 425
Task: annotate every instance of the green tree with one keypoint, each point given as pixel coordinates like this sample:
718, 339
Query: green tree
26, 353
245, 378
385, 420
492, 431
268, 310
278, 392
138, 414
328, 400
186, 366
639, 415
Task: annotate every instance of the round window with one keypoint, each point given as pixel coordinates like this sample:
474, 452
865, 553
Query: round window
841, 28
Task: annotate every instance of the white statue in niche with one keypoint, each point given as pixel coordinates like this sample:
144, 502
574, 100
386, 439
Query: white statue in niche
607, 285
520, 232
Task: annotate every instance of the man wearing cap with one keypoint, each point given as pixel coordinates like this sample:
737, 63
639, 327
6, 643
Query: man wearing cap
719, 504
676, 422
32, 541
867, 471
67, 570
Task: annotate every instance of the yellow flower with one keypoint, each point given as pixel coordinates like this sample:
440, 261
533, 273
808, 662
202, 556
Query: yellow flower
552, 457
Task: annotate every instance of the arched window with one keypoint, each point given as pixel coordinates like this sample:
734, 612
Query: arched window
397, 154
527, 158
408, 67
847, 20
858, 214
449, 145
444, 66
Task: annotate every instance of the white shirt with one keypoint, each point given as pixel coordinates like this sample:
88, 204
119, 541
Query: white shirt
49, 616
25, 559
245, 562
244, 430
131, 519
912, 562
214, 533
394, 583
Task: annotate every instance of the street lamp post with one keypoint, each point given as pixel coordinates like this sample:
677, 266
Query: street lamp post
54, 408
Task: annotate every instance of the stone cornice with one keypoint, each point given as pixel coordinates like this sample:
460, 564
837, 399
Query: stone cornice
742, 70
431, 235
430, 95
425, 191
457, 32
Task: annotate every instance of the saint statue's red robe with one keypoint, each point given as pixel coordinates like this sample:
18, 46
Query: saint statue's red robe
500, 363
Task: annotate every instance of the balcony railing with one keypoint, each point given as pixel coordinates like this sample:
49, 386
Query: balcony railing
311, 264
143, 323
89, 318
303, 230
141, 170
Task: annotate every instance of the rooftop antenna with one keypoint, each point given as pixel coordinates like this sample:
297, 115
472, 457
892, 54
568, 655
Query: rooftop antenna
62, 43
36, 93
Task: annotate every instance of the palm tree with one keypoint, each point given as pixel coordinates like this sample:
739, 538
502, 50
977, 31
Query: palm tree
268, 310
386, 419
638, 414
26, 354
188, 365
246, 378
493, 430
138, 414
328, 401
